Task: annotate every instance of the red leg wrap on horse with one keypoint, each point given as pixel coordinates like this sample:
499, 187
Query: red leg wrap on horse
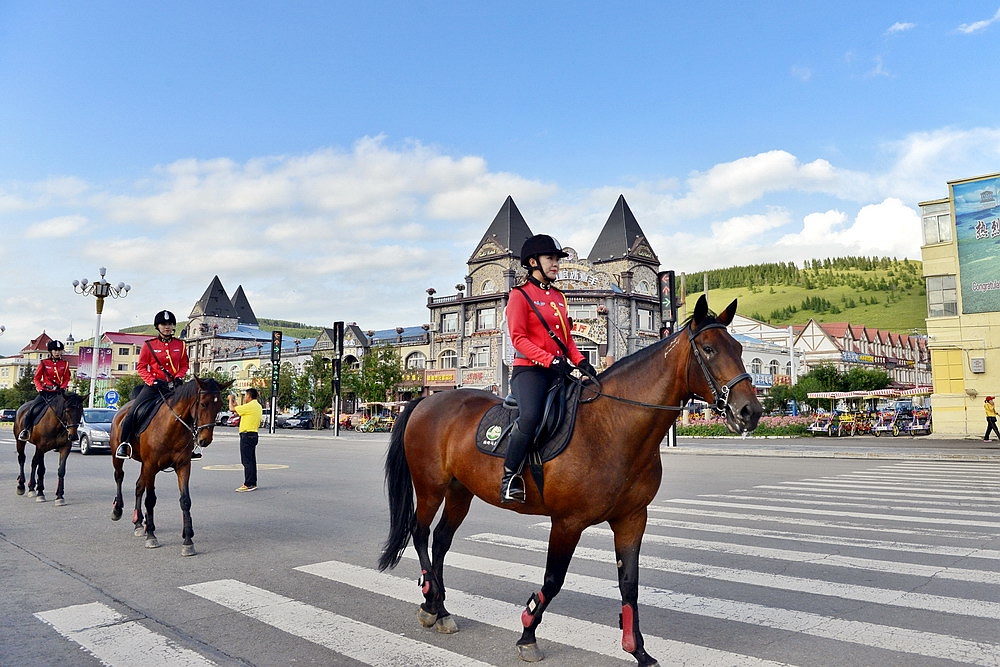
425, 583
628, 628
533, 607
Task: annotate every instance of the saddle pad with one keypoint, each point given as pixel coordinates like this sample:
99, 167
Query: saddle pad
493, 432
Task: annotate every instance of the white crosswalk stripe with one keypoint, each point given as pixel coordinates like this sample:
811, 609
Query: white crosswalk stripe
896, 563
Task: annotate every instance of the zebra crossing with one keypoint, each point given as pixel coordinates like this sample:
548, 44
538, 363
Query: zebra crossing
896, 564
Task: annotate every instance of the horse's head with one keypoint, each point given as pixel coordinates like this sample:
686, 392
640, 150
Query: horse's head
723, 379
71, 413
206, 406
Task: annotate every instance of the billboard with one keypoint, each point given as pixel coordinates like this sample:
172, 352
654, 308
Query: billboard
977, 231
85, 362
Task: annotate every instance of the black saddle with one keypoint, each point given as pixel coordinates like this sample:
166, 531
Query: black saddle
554, 433
143, 413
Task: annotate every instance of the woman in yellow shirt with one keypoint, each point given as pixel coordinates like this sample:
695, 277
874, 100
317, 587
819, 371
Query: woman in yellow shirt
991, 418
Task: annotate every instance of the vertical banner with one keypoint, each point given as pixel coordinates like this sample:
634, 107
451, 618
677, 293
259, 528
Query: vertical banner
275, 375
338, 344
977, 231
85, 362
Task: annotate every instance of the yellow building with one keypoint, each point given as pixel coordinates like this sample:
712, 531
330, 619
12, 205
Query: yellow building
961, 264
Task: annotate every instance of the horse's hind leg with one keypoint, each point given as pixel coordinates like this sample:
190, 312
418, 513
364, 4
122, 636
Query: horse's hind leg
20, 464
148, 474
118, 504
562, 543
456, 508
37, 467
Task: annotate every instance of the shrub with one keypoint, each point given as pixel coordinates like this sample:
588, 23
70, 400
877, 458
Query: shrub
716, 426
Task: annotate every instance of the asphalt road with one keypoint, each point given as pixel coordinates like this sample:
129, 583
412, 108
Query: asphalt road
786, 555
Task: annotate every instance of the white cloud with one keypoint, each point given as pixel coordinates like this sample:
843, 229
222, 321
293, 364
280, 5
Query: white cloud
977, 26
878, 68
59, 227
900, 26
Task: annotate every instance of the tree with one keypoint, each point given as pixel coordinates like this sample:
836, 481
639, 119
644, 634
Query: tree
126, 384
866, 379
23, 390
316, 378
380, 373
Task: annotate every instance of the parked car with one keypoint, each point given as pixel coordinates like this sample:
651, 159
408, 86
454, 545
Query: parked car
95, 430
8, 414
299, 420
234, 420
222, 419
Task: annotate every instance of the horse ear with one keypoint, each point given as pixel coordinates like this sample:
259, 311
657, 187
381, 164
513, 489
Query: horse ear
700, 310
728, 314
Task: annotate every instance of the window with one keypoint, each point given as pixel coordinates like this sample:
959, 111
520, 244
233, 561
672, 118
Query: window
480, 357
449, 323
936, 220
449, 359
774, 367
123, 350
488, 287
582, 311
417, 360
643, 287
942, 297
486, 318
646, 321
756, 366
122, 367
589, 352
788, 369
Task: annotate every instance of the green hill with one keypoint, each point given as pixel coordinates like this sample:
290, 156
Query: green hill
289, 330
884, 293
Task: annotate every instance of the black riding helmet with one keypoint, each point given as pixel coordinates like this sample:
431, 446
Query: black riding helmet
164, 317
540, 244
55, 345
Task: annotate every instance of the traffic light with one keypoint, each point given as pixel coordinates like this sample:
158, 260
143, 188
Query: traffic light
275, 346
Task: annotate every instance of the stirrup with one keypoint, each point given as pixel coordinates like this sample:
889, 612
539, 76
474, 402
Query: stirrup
196, 453
512, 489
24, 435
128, 451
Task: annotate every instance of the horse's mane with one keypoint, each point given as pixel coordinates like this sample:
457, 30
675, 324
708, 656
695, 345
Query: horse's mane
73, 400
190, 388
626, 364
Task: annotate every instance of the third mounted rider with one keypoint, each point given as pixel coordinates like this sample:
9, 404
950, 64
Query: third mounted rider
51, 379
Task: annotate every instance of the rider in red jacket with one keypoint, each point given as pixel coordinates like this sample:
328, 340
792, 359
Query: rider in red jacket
163, 363
51, 378
539, 360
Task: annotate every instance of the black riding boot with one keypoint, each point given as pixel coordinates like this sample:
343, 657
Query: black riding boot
512, 484
124, 450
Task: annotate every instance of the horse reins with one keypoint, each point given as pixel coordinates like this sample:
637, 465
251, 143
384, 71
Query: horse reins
193, 430
720, 393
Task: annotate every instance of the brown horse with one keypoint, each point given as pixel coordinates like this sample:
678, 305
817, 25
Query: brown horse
55, 429
185, 418
610, 471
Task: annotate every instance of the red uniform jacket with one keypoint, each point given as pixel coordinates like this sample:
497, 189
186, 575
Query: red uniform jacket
162, 360
52, 374
529, 337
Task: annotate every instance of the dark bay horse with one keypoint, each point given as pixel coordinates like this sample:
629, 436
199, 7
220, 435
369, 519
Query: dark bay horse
610, 471
55, 429
186, 417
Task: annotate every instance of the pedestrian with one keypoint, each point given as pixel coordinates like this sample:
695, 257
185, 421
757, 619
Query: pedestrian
991, 418
162, 365
250, 415
51, 378
538, 322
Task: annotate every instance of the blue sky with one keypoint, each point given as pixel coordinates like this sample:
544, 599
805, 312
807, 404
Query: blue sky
338, 158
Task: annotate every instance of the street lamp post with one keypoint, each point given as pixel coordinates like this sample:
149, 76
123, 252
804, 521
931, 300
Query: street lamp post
101, 289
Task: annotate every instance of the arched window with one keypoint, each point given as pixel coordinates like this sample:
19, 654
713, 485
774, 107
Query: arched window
449, 359
488, 287
417, 360
350, 361
774, 367
788, 369
756, 366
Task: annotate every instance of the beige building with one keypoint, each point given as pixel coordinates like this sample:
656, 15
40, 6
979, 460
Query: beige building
961, 263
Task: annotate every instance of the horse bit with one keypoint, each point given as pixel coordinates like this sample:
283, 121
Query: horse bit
193, 430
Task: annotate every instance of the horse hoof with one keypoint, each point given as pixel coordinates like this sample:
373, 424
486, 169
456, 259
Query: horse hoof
19, 490
31, 493
60, 502
188, 550
529, 653
426, 618
40, 498
152, 543
139, 531
446, 625
116, 515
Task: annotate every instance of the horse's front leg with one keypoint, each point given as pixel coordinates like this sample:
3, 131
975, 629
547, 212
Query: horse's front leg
37, 467
118, 504
187, 532
628, 540
20, 464
562, 543
148, 475
60, 485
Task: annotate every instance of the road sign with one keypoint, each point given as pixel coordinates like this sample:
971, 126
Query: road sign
111, 397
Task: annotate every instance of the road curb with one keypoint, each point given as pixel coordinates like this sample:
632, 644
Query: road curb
832, 454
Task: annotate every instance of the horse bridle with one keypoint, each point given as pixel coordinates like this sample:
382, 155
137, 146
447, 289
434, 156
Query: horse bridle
196, 429
720, 392
48, 404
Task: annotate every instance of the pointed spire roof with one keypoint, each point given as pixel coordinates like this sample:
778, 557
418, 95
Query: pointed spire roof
622, 237
505, 236
243, 309
214, 303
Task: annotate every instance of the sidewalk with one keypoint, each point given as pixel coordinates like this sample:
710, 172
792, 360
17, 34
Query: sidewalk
854, 447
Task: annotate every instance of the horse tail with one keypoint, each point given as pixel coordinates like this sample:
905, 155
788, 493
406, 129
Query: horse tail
399, 485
